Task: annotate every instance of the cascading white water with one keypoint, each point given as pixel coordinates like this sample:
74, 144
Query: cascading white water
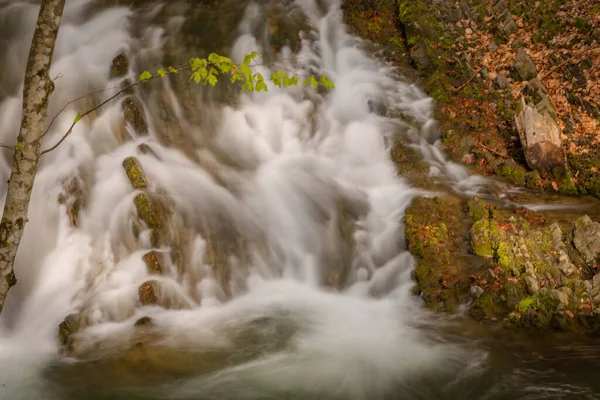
298, 155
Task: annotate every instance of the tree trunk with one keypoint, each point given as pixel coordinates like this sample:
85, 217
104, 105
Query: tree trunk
36, 91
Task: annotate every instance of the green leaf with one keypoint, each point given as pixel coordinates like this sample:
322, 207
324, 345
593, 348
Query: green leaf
172, 70
248, 86
212, 80
327, 83
20, 146
261, 85
276, 79
77, 118
246, 70
237, 77
214, 58
294, 80
310, 81
161, 72
203, 72
196, 77
144, 76
249, 57
197, 63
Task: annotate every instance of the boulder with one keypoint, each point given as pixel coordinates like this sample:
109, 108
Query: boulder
135, 173
525, 66
133, 112
540, 137
586, 238
119, 67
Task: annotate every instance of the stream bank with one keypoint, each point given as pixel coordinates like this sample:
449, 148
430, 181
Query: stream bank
497, 72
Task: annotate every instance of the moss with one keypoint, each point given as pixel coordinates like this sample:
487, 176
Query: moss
147, 210
477, 209
485, 306
515, 175
537, 311
149, 292
485, 237
434, 229
151, 259
135, 173
585, 166
525, 304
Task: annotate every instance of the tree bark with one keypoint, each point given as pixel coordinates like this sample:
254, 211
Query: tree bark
36, 92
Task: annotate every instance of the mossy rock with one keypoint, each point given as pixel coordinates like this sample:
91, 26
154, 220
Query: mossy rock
120, 66
67, 328
149, 292
144, 322
434, 233
133, 112
135, 173
154, 262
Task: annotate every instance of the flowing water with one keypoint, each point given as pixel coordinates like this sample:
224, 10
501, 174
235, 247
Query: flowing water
285, 272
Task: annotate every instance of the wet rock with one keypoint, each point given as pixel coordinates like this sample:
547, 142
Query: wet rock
145, 149
135, 173
586, 238
540, 137
153, 261
119, 67
133, 113
67, 328
149, 292
525, 66
144, 321
476, 291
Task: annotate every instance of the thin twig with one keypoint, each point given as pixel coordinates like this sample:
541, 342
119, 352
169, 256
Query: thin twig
86, 113
64, 137
7, 147
483, 146
458, 89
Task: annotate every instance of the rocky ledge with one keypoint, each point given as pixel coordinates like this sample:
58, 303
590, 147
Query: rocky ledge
508, 265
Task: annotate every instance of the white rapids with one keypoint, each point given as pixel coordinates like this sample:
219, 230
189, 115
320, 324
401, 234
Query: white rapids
298, 154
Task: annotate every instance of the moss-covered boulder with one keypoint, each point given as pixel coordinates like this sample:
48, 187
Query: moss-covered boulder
154, 262
135, 173
435, 235
66, 329
133, 112
119, 66
149, 292
537, 280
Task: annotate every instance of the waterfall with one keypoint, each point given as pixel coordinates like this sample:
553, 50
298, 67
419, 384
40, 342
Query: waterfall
283, 267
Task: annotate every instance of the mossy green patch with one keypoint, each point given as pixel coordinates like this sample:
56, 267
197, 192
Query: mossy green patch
434, 232
135, 173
